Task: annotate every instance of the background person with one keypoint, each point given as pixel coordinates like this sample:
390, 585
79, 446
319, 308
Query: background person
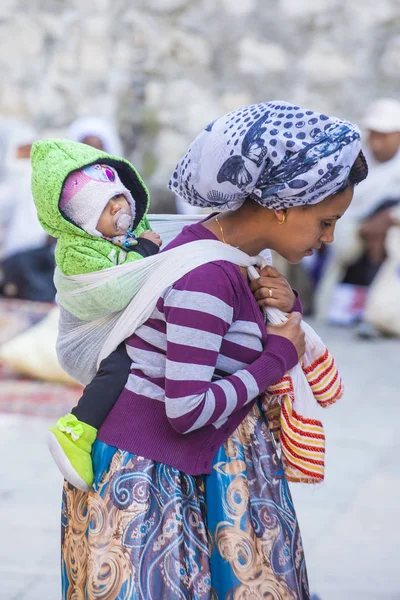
27, 264
359, 248
96, 132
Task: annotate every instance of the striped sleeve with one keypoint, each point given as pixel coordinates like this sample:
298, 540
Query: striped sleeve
297, 305
199, 311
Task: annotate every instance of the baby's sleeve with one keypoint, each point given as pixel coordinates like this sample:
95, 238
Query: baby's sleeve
143, 249
76, 261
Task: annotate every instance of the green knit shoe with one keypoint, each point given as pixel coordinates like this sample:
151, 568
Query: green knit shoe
70, 443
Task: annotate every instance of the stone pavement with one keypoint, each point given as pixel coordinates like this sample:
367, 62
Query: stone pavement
350, 523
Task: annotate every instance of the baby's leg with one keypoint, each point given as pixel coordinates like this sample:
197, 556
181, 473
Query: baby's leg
72, 438
100, 395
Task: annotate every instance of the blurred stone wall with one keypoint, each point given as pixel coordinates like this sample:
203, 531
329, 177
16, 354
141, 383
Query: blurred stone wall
162, 69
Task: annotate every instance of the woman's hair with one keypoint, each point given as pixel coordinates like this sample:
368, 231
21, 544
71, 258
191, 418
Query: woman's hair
358, 171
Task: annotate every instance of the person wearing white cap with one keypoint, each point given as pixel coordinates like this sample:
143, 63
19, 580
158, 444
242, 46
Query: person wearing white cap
382, 125
359, 246
383, 116
96, 132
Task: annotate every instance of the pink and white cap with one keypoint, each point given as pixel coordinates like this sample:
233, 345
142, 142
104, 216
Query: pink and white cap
86, 193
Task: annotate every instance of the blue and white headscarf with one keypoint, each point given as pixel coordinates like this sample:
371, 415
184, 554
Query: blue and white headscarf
278, 154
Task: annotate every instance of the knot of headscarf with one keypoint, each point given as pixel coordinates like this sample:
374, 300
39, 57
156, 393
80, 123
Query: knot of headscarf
278, 154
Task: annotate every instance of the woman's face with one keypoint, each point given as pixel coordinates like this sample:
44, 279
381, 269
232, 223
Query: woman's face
384, 146
307, 228
24, 151
94, 141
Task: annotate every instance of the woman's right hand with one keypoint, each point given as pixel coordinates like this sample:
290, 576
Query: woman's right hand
292, 331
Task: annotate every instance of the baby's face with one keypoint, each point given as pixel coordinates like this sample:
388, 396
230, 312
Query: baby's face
105, 223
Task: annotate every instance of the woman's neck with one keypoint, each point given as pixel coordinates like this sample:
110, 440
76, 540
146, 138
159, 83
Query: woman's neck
241, 228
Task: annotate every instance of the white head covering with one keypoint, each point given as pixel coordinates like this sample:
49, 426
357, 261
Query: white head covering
383, 115
13, 134
23, 231
101, 128
6, 193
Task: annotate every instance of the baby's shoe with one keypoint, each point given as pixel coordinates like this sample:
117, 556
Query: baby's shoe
70, 443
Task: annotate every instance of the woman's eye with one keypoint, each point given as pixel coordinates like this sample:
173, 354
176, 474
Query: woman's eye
326, 224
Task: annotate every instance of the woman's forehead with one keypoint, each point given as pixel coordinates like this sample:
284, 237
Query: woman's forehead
336, 205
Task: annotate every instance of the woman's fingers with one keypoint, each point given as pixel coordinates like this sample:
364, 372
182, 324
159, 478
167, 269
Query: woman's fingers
264, 282
279, 297
265, 292
269, 271
270, 303
263, 285
272, 289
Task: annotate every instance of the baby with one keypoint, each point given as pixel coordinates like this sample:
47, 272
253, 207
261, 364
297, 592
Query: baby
98, 222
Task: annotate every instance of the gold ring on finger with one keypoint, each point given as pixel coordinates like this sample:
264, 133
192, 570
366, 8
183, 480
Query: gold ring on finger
269, 293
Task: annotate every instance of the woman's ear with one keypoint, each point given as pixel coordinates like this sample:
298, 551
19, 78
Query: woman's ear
280, 215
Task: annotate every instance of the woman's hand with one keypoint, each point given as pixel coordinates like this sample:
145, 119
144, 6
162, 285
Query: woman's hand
292, 331
272, 289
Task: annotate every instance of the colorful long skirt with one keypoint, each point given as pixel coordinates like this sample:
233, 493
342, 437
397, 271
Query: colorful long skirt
147, 531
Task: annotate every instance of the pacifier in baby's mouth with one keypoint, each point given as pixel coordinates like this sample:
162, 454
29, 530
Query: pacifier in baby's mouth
122, 220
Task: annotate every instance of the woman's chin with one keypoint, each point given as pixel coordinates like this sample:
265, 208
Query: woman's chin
294, 259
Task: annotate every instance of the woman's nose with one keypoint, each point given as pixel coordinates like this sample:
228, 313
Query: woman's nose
327, 238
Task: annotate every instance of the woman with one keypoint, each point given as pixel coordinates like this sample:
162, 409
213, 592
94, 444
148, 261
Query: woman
97, 132
26, 251
17, 138
190, 499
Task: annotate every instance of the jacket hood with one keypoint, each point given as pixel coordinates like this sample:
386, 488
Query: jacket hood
53, 160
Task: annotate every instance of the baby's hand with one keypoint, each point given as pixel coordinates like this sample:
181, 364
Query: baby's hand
152, 236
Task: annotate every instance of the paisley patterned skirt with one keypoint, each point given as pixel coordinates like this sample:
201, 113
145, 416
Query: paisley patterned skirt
147, 531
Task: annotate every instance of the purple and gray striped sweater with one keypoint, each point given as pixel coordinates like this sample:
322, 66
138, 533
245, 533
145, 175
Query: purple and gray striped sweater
198, 364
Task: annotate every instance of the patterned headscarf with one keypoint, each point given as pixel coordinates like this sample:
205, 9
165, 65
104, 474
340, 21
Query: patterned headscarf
278, 154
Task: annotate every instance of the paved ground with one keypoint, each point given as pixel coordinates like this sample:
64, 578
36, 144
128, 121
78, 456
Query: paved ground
350, 524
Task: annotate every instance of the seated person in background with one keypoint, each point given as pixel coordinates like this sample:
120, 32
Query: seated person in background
359, 246
26, 251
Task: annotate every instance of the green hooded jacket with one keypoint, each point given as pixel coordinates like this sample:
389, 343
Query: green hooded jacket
77, 251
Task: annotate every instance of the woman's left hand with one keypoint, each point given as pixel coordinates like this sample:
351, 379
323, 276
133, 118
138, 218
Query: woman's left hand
272, 289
